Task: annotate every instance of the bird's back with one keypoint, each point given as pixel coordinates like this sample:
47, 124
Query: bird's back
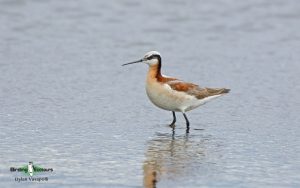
195, 90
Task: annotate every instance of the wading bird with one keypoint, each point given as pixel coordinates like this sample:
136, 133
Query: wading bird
173, 94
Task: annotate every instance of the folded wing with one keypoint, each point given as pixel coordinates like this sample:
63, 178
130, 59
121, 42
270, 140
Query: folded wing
195, 90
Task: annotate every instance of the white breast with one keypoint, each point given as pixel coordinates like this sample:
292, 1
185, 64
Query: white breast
164, 97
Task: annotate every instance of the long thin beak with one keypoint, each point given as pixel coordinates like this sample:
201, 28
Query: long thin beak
138, 61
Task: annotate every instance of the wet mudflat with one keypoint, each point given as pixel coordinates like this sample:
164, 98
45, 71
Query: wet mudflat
66, 102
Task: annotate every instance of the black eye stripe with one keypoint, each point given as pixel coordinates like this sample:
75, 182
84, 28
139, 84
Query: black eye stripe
153, 56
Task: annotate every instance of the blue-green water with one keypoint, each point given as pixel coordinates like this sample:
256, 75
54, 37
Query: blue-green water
66, 103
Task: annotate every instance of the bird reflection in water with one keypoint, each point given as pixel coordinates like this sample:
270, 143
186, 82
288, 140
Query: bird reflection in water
169, 156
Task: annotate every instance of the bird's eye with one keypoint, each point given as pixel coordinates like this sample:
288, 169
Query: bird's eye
151, 57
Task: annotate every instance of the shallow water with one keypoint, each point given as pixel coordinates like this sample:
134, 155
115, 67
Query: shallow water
67, 104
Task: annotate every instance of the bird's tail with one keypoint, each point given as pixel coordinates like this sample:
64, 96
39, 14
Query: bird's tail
217, 91
225, 91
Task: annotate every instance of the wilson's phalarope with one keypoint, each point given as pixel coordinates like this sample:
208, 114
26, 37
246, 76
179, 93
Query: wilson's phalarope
173, 94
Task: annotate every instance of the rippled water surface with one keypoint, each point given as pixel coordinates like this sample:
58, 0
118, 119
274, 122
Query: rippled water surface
66, 103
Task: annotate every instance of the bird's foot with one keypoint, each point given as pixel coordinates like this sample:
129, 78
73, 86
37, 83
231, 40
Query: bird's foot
187, 130
172, 125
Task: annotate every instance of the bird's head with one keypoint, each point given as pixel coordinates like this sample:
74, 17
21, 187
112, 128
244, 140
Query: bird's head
151, 58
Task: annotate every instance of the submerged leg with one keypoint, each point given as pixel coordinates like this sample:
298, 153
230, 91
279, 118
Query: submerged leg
187, 123
174, 120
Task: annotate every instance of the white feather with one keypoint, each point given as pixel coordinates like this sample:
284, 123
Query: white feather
163, 96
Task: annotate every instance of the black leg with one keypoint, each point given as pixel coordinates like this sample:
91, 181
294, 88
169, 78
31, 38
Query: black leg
174, 120
187, 123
